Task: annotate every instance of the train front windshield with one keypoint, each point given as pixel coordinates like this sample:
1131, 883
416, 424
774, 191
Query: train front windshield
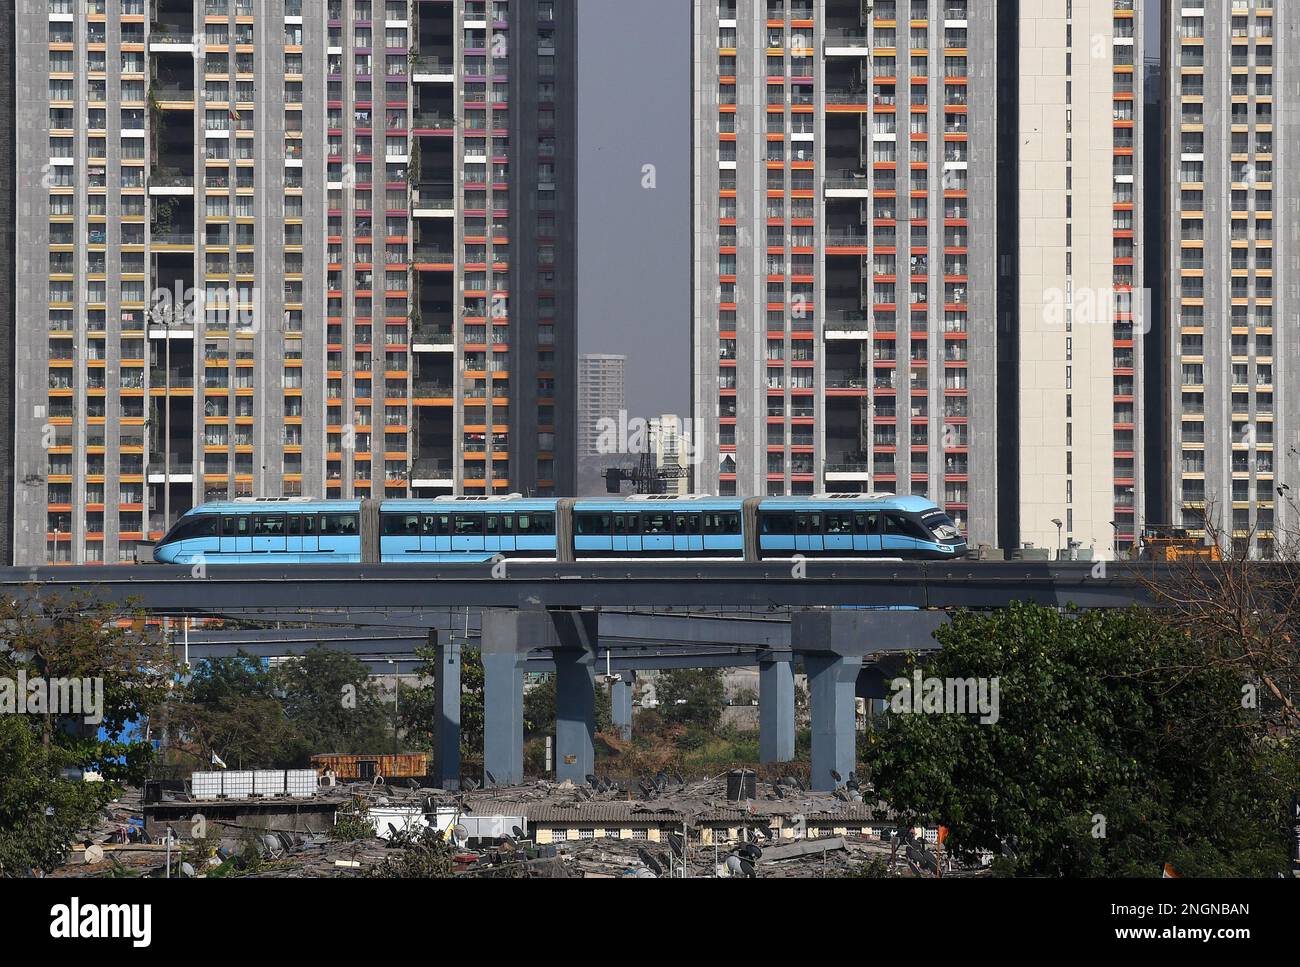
942, 527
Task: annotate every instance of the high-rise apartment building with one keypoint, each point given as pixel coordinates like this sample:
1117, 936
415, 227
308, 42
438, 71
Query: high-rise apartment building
1082, 312
601, 396
1233, 203
291, 247
905, 211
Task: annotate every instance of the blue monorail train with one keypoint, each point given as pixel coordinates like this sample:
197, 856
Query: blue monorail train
466, 529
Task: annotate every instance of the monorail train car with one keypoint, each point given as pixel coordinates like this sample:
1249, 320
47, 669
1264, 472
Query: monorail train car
469, 529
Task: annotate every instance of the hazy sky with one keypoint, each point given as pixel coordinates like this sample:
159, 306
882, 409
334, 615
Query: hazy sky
634, 109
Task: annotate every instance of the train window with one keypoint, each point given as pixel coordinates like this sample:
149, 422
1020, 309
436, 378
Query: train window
295, 525
810, 523
401, 525
500, 524
687, 524
536, 524
656, 524
234, 526
594, 525
203, 525
467, 525
338, 525
435, 524
839, 523
308, 525
866, 523
777, 524
896, 525
266, 525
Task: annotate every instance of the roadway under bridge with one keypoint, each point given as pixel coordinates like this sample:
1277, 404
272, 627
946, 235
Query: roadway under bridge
840, 620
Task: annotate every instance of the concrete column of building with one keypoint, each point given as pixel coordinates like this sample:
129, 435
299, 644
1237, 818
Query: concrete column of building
832, 645
776, 707
446, 721
507, 637
577, 638
621, 695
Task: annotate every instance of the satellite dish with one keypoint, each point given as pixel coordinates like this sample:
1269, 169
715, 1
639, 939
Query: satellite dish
750, 852
94, 854
836, 776
651, 863
392, 830
747, 868
591, 780
677, 844
471, 784
492, 780
733, 864
187, 870
519, 833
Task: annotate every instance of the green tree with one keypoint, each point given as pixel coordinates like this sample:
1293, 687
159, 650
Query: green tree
419, 705
40, 812
1114, 751
692, 697
230, 706
332, 705
75, 638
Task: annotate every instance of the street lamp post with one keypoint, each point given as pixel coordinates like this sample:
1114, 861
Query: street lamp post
397, 691
1059, 525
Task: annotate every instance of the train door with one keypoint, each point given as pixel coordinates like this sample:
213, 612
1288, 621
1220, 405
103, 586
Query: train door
495, 533
687, 536
838, 536
467, 532
657, 531
627, 532
302, 536
269, 534
866, 531
235, 536
808, 532
435, 533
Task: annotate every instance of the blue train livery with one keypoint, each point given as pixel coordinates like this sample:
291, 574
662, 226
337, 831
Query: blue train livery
468, 529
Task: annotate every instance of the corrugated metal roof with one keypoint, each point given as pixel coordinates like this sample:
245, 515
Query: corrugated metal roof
596, 813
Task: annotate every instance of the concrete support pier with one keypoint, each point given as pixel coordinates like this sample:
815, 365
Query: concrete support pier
776, 707
622, 695
446, 722
832, 645
832, 690
507, 638
576, 641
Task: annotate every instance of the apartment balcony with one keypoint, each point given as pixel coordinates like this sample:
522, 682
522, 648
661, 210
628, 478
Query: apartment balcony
847, 42
170, 181
848, 467
427, 69
433, 472
847, 184
432, 121
432, 339
433, 201
846, 324
178, 468
171, 37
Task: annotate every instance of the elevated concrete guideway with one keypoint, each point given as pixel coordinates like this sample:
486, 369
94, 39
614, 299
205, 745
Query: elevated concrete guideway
373, 593
829, 616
